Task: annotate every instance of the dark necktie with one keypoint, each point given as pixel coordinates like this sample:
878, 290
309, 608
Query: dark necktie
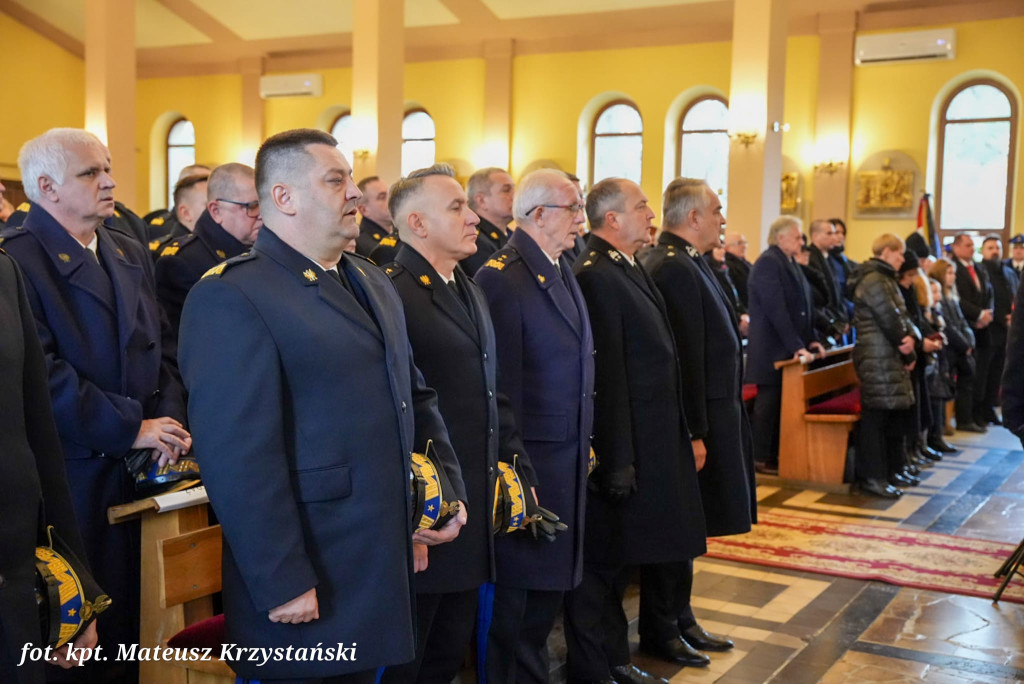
456, 291
340, 279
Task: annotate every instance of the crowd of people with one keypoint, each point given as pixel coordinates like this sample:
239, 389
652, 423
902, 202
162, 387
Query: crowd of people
301, 354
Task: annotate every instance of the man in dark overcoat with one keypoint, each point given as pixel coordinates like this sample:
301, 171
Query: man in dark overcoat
1004, 280
546, 369
710, 350
453, 341
305, 405
781, 327
646, 510
977, 301
33, 486
109, 355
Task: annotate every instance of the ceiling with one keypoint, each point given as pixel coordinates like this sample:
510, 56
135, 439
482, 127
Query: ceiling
178, 37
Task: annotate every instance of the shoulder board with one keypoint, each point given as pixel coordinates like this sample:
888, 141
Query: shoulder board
502, 259
155, 245
158, 221
24, 206
590, 258
393, 269
389, 241
170, 250
225, 265
117, 213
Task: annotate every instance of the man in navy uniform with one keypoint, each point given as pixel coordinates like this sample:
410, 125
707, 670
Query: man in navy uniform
1016, 260
545, 358
226, 228
305, 405
109, 355
781, 327
490, 192
453, 341
646, 510
189, 204
710, 348
376, 222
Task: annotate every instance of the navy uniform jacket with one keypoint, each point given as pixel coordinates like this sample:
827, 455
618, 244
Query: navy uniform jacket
488, 241
110, 361
1009, 263
546, 364
176, 231
638, 419
739, 272
710, 350
386, 250
370, 235
455, 350
33, 485
123, 221
304, 409
781, 315
184, 260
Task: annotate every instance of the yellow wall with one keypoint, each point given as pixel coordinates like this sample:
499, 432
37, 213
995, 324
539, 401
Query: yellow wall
44, 88
801, 98
892, 107
284, 113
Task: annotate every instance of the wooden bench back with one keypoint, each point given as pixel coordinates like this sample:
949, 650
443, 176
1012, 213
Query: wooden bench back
190, 566
801, 384
838, 376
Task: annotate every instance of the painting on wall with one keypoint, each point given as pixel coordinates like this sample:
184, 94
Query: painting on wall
886, 185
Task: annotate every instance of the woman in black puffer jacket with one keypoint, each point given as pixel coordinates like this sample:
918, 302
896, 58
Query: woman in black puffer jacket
883, 356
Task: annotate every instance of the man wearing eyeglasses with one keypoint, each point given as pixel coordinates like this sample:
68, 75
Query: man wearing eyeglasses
227, 227
546, 369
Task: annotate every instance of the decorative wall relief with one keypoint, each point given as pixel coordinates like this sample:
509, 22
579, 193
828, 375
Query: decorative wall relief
791, 189
887, 184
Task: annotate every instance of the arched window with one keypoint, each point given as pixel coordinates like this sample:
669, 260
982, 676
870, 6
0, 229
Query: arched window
341, 129
617, 144
703, 150
181, 152
418, 146
977, 133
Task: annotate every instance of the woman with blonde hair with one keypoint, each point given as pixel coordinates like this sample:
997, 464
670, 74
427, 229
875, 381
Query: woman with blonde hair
961, 344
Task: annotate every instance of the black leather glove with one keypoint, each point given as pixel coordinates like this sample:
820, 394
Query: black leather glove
542, 523
618, 485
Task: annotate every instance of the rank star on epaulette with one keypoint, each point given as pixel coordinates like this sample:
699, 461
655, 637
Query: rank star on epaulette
24, 206
389, 270
495, 264
309, 275
216, 270
614, 255
425, 279
389, 242
222, 254
154, 245
692, 251
588, 262
169, 251
158, 221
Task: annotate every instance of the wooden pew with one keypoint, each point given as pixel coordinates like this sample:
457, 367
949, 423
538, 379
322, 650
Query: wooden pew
813, 446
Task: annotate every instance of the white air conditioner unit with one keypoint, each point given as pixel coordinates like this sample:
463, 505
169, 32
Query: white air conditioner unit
291, 85
911, 46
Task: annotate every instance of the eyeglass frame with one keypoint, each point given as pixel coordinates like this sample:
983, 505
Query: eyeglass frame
245, 205
574, 208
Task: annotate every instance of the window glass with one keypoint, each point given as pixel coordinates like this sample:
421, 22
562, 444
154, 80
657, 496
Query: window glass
617, 143
418, 145
181, 152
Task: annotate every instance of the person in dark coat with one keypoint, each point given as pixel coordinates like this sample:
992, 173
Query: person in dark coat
823, 236
1013, 370
491, 191
386, 250
781, 327
109, 354
33, 485
710, 350
739, 267
883, 357
958, 331
376, 222
1004, 282
546, 369
646, 508
977, 303
227, 228
453, 342
715, 258
306, 404
941, 382
842, 265
190, 199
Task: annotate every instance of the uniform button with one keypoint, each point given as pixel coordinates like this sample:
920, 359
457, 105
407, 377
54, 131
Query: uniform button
485, 355
591, 438
151, 345
490, 394
403, 407
490, 431
490, 469
156, 393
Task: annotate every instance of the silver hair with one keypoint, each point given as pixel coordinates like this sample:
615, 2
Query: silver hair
537, 188
480, 182
780, 225
46, 155
682, 196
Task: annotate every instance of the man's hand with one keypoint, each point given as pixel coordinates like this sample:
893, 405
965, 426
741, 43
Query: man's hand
930, 345
447, 533
419, 557
166, 437
700, 453
803, 356
85, 640
303, 608
744, 324
907, 344
816, 348
984, 318
617, 485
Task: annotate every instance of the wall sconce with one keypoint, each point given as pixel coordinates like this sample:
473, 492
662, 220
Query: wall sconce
780, 127
745, 138
361, 154
830, 166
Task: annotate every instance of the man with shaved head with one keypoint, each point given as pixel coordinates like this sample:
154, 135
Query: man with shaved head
226, 228
306, 406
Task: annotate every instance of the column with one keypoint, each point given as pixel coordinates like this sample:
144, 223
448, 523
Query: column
755, 103
378, 56
110, 87
497, 138
835, 102
251, 69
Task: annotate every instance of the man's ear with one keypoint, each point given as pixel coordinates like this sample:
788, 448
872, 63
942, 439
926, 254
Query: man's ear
47, 188
417, 224
284, 199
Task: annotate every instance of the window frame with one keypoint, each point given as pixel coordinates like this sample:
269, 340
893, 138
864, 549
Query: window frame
336, 119
167, 154
594, 135
680, 132
1004, 233
405, 115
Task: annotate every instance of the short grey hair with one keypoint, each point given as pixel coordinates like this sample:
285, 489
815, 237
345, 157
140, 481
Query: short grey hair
480, 182
606, 196
225, 178
537, 188
780, 225
406, 188
682, 196
46, 155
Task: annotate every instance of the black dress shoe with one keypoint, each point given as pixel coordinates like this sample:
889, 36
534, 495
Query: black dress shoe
971, 427
911, 479
921, 462
697, 638
631, 674
930, 454
879, 488
912, 469
675, 651
766, 468
900, 480
942, 446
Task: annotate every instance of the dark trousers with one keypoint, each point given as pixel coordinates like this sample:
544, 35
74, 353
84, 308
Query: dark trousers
517, 641
665, 600
963, 400
938, 419
994, 375
444, 626
880, 443
765, 425
596, 629
981, 409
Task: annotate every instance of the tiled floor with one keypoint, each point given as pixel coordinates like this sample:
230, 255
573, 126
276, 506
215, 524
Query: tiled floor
796, 628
